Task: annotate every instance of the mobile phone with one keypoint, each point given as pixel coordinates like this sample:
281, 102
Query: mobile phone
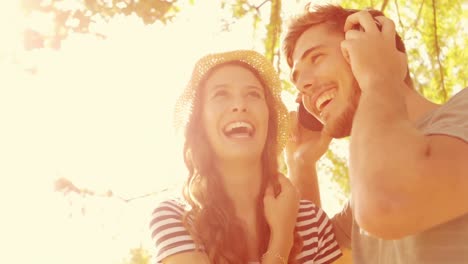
307, 120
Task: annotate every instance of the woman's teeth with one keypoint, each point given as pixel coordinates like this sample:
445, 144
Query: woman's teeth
238, 129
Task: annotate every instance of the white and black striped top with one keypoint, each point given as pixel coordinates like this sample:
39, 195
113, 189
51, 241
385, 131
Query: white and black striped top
319, 244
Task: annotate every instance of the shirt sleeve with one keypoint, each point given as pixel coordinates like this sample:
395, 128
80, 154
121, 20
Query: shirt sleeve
452, 118
342, 225
168, 231
319, 242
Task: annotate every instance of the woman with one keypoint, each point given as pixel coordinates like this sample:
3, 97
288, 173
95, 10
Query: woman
237, 207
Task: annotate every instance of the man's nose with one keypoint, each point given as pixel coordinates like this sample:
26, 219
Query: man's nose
306, 81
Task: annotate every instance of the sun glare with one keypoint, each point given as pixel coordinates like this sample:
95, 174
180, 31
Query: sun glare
98, 113
11, 22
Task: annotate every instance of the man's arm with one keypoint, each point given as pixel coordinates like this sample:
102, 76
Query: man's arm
403, 182
343, 224
303, 175
302, 153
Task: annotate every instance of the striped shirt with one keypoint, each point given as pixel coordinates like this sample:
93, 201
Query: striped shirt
319, 244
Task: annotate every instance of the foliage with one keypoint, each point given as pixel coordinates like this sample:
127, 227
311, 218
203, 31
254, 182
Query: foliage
338, 170
431, 31
79, 15
434, 32
436, 54
138, 256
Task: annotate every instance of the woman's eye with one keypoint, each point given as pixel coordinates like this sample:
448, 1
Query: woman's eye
255, 94
220, 93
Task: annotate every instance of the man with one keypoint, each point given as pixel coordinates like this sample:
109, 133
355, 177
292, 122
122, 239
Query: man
408, 156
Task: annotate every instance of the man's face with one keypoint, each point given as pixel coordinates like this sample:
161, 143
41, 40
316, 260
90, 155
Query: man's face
320, 72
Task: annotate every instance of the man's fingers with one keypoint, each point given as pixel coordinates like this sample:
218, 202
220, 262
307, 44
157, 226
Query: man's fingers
299, 98
293, 126
363, 18
388, 26
353, 34
283, 181
287, 186
344, 50
293, 119
269, 192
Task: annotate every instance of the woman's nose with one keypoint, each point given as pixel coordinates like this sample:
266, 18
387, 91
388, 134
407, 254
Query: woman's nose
239, 105
239, 109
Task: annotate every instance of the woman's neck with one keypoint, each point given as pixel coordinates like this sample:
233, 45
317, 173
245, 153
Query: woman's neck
242, 182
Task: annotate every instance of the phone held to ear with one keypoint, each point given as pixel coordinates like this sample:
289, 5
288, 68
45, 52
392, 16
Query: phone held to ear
307, 120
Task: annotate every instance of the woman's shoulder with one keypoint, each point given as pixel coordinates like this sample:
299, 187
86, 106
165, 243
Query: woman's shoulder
310, 216
168, 230
315, 228
167, 213
308, 207
172, 206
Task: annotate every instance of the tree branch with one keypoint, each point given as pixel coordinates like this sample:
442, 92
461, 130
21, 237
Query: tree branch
273, 30
142, 196
260, 5
278, 56
384, 5
398, 14
437, 48
66, 186
415, 24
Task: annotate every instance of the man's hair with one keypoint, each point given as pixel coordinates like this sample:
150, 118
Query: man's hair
333, 15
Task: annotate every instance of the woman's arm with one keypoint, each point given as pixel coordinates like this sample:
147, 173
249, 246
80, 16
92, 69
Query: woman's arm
194, 257
281, 214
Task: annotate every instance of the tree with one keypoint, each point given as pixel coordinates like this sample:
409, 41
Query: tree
138, 256
77, 16
430, 29
433, 31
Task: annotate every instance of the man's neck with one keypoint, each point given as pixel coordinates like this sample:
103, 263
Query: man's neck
417, 105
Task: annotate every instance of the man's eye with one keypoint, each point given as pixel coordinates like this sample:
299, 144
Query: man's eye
316, 57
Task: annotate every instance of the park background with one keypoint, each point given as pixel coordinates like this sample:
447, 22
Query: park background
87, 90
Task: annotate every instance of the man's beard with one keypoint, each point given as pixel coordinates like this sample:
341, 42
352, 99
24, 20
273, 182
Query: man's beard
341, 125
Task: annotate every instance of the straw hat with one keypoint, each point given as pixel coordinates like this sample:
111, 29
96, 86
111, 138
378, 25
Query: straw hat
184, 105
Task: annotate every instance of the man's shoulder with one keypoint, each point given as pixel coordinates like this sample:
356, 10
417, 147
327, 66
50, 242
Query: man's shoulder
449, 119
461, 97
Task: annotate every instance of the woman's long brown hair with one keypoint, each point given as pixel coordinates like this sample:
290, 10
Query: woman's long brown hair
211, 218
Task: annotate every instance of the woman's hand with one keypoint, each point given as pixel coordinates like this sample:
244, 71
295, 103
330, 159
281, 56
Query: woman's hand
281, 211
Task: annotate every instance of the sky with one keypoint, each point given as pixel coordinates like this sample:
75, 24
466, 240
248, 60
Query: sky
99, 113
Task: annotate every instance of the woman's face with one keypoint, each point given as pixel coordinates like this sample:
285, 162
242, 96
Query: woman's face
234, 113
